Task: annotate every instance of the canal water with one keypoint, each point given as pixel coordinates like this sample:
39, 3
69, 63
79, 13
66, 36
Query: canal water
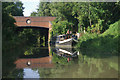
52, 62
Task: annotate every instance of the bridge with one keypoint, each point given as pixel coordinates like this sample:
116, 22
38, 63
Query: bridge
40, 22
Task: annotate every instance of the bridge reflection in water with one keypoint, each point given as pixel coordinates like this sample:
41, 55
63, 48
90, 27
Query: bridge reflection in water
44, 62
30, 62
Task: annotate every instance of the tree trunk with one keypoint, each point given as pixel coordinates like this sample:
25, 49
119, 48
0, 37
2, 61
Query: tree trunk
89, 16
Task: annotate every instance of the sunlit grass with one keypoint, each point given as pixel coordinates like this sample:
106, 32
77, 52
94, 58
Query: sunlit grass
102, 44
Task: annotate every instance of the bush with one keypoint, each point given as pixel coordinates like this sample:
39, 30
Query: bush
100, 45
86, 37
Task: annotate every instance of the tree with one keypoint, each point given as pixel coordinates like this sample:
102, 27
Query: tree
33, 14
9, 37
43, 9
13, 8
82, 14
61, 27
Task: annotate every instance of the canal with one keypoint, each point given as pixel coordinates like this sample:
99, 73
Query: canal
52, 62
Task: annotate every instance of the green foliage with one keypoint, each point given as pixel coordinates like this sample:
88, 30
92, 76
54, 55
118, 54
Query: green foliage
9, 35
33, 14
43, 9
86, 67
33, 36
82, 14
113, 29
43, 44
61, 27
28, 52
13, 8
86, 37
114, 65
10, 41
8, 20
95, 45
60, 60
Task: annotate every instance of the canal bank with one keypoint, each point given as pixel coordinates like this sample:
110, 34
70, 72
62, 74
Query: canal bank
105, 43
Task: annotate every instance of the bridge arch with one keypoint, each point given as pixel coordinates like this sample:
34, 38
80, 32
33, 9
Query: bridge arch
34, 22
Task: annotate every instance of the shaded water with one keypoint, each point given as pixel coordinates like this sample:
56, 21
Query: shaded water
51, 62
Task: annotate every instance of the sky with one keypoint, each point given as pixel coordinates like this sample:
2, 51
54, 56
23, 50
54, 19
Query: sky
30, 6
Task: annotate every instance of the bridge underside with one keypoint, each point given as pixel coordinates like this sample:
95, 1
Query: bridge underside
35, 22
38, 27
41, 33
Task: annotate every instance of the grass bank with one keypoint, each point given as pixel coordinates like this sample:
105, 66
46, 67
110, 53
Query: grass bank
94, 45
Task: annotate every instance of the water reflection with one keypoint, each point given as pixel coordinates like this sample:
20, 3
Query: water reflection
35, 52
66, 63
44, 62
68, 53
51, 62
86, 67
29, 73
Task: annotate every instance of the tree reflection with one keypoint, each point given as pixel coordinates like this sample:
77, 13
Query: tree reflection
86, 67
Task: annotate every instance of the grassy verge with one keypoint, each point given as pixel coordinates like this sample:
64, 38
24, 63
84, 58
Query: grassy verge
101, 45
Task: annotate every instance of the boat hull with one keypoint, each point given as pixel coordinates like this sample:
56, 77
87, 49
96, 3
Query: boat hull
65, 43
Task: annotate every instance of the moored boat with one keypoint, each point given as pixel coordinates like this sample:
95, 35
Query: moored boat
64, 41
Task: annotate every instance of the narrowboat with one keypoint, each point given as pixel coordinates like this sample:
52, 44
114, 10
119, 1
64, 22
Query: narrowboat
66, 41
